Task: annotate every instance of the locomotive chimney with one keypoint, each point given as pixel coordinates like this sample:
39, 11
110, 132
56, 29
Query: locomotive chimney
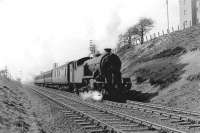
108, 50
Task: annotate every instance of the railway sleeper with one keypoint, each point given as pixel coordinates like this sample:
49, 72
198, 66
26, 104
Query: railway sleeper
71, 115
105, 117
68, 113
91, 127
137, 130
100, 130
75, 117
122, 127
80, 106
86, 124
122, 123
79, 120
166, 115
165, 119
177, 121
96, 114
171, 118
185, 123
111, 120
87, 110
193, 126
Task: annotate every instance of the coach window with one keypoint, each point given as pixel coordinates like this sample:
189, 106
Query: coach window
65, 71
74, 65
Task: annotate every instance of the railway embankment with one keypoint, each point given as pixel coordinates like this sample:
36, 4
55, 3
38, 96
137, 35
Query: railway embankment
24, 112
15, 109
165, 70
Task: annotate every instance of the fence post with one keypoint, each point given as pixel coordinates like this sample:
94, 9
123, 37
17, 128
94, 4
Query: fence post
146, 38
168, 31
158, 34
172, 29
163, 32
178, 28
150, 37
154, 35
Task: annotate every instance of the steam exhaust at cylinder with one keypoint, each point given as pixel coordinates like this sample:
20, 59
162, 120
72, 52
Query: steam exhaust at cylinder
91, 95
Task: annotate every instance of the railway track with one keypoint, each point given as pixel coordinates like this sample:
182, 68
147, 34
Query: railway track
167, 109
180, 119
96, 118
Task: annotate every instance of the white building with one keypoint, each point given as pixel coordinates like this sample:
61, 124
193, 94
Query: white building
189, 12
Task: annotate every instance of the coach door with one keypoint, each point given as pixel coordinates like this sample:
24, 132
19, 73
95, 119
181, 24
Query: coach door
70, 72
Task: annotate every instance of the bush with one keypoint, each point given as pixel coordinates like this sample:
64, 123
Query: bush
194, 77
170, 52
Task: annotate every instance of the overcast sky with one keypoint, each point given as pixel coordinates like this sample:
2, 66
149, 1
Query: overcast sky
36, 33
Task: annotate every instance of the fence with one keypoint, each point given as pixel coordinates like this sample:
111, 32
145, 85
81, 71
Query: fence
4, 74
153, 36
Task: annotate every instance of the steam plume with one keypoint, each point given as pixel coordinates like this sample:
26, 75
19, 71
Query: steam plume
93, 95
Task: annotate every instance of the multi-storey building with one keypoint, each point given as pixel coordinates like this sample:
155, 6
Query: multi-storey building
189, 12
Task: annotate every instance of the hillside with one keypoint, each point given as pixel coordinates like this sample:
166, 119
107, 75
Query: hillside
165, 70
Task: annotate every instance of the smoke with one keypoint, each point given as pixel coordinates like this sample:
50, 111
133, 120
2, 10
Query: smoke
113, 29
114, 24
91, 95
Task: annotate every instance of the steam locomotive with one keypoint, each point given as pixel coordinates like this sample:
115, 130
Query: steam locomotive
100, 73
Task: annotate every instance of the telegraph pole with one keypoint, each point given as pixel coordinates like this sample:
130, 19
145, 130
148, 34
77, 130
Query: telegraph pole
92, 48
167, 14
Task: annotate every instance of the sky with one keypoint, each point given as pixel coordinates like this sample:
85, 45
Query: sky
34, 34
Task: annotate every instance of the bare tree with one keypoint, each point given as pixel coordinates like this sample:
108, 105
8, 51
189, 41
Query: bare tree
140, 29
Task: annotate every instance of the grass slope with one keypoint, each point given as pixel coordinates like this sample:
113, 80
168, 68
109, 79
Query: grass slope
161, 69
